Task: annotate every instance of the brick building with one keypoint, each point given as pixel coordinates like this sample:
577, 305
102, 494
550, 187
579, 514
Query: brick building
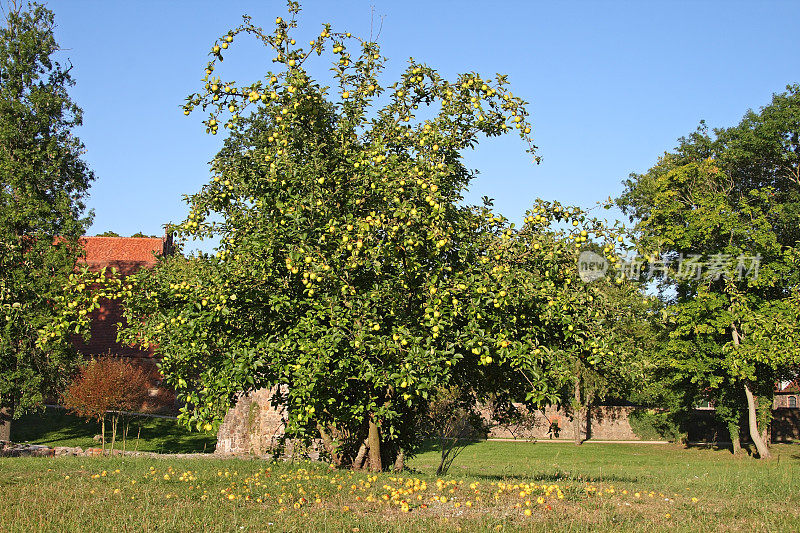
127, 255
787, 395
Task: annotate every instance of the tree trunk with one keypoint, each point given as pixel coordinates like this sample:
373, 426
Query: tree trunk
443, 459
114, 420
6, 414
737, 445
755, 436
124, 434
360, 456
327, 443
765, 435
736, 441
103, 434
374, 442
577, 411
400, 461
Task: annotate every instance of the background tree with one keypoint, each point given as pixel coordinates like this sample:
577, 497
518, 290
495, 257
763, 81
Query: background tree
452, 420
612, 355
724, 197
43, 182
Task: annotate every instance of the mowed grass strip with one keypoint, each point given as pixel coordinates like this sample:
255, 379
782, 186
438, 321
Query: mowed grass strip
492, 486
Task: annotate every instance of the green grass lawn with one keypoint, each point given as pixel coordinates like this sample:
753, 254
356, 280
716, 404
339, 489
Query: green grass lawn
56, 427
595, 487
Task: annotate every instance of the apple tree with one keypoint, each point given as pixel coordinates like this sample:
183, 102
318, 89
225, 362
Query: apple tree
591, 330
348, 270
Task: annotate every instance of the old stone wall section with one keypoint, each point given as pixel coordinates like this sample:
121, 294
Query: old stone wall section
605, 423
253, 426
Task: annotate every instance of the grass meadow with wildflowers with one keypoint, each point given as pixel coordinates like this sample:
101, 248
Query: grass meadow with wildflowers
492, 486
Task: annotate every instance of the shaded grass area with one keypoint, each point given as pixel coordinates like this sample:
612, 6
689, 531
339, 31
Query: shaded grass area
670, 467
490, 488
56, 427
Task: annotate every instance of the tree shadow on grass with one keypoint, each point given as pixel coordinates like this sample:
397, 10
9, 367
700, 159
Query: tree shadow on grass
435, 446
56, 427
165, 436
53, 427
432, 446
510, 471
747, 448
558, 477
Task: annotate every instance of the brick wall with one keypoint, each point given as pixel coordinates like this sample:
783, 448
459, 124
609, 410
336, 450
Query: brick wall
604, 423
253, 426
785, 425
787, 399
127, 255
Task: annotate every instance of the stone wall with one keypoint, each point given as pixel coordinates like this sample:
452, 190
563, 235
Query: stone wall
252, 426
605, 423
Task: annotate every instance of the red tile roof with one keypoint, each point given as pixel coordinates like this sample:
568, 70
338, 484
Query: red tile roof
122, 248
126, 254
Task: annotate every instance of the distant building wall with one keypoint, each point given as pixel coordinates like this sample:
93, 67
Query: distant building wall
785, 424
787, 399
127, 255
254, 427
604, 423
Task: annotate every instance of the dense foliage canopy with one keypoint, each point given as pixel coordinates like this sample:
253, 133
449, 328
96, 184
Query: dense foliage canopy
349, 269
723, 209
43, 182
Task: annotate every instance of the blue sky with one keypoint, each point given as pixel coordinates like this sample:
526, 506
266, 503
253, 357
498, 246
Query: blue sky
611, 85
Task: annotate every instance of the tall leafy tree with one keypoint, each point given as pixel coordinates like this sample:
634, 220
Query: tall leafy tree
718, 198
43, 183
348, 269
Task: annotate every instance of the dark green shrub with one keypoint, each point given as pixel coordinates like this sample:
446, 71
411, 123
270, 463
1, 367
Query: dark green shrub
655, 424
